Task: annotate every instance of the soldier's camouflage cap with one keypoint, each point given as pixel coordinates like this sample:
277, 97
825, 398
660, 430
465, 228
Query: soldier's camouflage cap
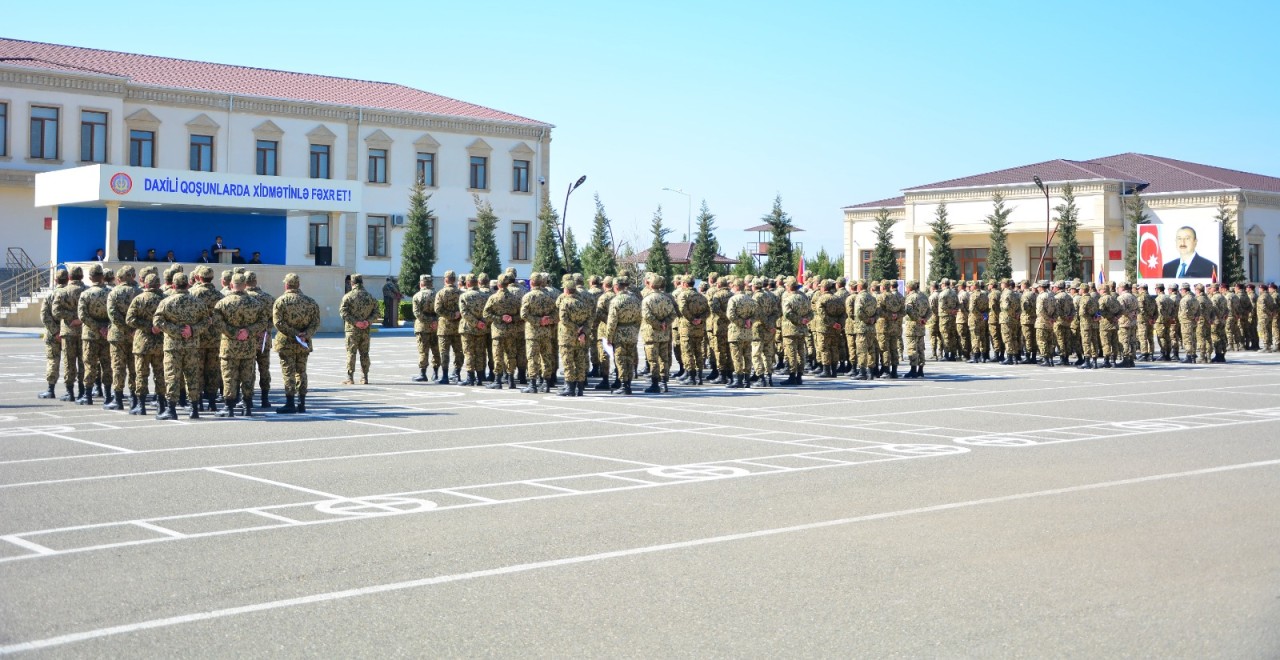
239, 279
357, 278
424, 278
607, 281
125, 271
912, 284
470, 278
566, 280
151, 281
657, 281
292, 281
511, 270
578, 279
790, 279
841, 281
504, 279
62, 276
237, 269
1043, 283
595, 279
713, 276
95, 270
206, 273
226, 275
1185, 286
180, 280
148, 270
622, 280
450, 275
250, 277
483, 277
108, 274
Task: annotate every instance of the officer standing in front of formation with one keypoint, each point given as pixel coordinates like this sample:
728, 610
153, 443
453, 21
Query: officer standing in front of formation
148, 341
577, 314
538, 309
448, 316
262, 343
296, 317
914, 323
741, 315
425, 324
52, 336
502, 311
91, 308
240, 319
657, 314
623, 329
120, 339
183, 318
359, 309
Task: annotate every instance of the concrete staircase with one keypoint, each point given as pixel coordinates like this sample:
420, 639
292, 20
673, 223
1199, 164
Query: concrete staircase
25, 311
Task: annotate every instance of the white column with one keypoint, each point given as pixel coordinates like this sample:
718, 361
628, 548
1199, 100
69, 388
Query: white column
113, 231
53, 237
1100, 254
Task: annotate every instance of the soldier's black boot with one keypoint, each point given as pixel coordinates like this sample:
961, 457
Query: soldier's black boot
166, 410
47, 394
603, 385
97, 387
228, 409
920, 371
697, 377
444, 378
133, 403
421, 377
247, 409
266, 400
570, 389
182, 400
715, 373
288, 408
163, 404
532, 388
70, 395
893, 371
109, 397
115, 402
302, 402
86, 397
911, 373
653, 386
141, 408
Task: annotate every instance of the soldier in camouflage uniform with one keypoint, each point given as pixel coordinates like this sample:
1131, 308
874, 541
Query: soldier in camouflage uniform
602, 335
936, 343
448, 316
425, 323
120, 338
502, 312
262, 343
964, 335
474, 329
657, 315
1267, 308
538, 310
979, 312
359, 309
203, 287
1166, 318
765, 330
148, 341
1027, 299
718, 299
889, 308
1222, 315
741, 315
297, 318
1046, 317
1188, 322
995, 325
1204, 329
1147, 314
623, 328
863, 316
694, 312
1011, 323
830, 308
797, 314
1127, 325
52, 337
915, 320
850, 338
576, 312
66, 301
240, 319
1065, 312
1088, 316
595, 290
1108, 326
91, 309
948, 310
183, 318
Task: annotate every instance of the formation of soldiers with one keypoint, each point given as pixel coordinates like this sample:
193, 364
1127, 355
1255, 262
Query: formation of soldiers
201, 346
198, 344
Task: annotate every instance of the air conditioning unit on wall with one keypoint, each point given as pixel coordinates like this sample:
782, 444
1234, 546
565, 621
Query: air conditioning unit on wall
397, 220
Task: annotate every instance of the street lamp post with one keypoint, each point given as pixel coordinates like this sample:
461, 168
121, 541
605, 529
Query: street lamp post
1047, 235
688, 229
564, 218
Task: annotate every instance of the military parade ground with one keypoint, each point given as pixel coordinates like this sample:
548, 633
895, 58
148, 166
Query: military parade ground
984, 510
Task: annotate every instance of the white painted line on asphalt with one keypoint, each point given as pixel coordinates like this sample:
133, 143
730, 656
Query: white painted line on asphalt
99, 633
90, 442
574, 453
268, 514
450, 491
281, 484
158, 529
34, 547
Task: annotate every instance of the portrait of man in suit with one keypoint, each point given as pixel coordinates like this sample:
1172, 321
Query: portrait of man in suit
1188, 264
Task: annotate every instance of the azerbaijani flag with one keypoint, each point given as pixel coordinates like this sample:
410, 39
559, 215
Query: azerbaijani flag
800, 270
1101, 278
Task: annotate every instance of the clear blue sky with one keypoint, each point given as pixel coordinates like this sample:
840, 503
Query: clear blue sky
824, 103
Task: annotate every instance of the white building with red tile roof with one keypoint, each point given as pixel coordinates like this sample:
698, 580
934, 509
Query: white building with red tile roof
1174, 193
243, 149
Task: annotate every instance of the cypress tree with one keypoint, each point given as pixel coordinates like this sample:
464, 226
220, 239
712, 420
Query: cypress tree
782, 258
573, 258
1232, 256
659, 261
598, 257
883, 264
943, 263
484, 253
702, 261
999, 266
418, 255
1068, 262
546, 256
1135, 214
746, 265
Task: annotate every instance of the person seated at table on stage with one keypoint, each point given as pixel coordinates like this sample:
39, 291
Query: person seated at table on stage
100, 256
217, 245
205, 258
150, 255
169, 257
256, 258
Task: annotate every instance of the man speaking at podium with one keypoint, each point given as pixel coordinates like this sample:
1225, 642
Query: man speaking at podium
1188, 264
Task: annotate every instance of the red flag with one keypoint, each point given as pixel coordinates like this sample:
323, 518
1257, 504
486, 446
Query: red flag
800, 271
1213, 277
1150, 261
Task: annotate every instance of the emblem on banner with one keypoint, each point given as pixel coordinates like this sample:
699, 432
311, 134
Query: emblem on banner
121, 184
1150, 261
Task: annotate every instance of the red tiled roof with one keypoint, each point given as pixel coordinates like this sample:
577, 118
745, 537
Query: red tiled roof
247, 81
768, 227
1050, 170
680, 253
892, 202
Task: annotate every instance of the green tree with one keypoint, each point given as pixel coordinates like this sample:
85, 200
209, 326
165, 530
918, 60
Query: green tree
598, 257
746, 264
1068, 262
943, 263
546, 255
702, 261
418, 255
1135, 214
1232, 256
484, 252
884, 265
782, 257
573, 263
659, 260
999, 266
822, 267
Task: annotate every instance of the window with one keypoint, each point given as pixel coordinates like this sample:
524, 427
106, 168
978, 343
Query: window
519, 241
202, 153
1255, 262
899, 255
320, 161
377, 166
93, 136
377, 235
520, 176
44, 132
1050, 264
471, 237
427, 169
971, 262
479, 176
317, 233
266, 151
4, 129
142, 148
